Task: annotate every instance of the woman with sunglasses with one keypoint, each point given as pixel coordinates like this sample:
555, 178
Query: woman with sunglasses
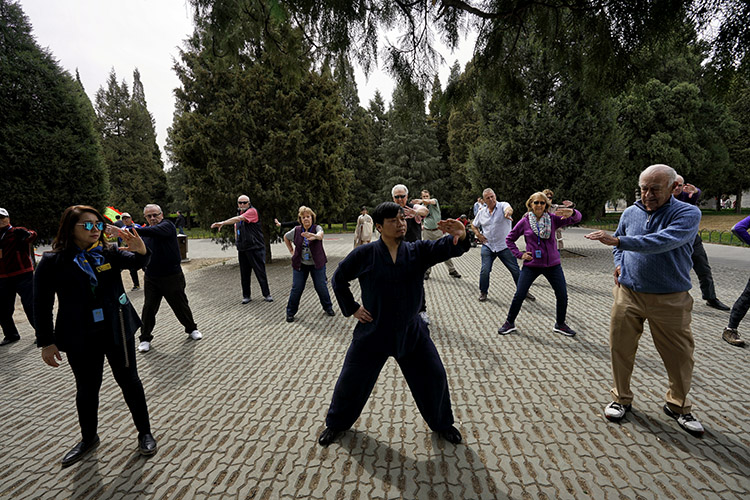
541, 256
95, 319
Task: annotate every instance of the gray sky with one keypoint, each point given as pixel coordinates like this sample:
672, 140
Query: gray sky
95, 36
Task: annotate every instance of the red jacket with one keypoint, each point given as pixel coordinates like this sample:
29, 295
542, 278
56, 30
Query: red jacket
15, 257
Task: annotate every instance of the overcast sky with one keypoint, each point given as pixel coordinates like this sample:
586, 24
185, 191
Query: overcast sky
95, 36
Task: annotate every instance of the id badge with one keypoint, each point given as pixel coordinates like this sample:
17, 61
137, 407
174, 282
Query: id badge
537, 254
98, 315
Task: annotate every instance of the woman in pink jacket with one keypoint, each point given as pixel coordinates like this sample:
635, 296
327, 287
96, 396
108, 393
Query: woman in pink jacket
538, 227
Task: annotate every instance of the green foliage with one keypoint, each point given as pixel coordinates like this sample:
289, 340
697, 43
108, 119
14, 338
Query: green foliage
49, 150
128, 139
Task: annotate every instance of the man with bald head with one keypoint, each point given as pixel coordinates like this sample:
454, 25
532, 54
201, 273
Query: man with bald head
251, 247
653, 245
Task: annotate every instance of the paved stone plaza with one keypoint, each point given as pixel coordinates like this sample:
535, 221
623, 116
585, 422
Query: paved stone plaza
238, 413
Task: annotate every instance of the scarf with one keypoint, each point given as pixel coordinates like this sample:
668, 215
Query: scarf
84, 259
542, 227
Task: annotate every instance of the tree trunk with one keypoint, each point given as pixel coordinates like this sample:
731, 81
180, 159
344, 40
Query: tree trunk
738, 203
718, 203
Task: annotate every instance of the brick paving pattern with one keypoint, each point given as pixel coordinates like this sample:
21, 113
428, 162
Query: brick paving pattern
238, 413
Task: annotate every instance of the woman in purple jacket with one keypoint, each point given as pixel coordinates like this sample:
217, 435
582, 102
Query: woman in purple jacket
538, 227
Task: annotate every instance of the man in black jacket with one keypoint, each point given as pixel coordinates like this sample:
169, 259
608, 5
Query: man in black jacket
251, 247
164, 277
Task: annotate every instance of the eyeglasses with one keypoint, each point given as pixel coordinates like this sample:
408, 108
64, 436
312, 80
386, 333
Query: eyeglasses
243, 202
88, 225
538, 202
151, 216
399, 196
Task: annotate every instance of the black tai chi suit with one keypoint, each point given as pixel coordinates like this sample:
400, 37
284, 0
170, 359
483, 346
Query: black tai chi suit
392, 293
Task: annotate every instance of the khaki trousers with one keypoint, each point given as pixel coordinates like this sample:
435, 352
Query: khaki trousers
669, 318
433, 235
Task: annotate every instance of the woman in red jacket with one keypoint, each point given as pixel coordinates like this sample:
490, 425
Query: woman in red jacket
95, 319
538, 227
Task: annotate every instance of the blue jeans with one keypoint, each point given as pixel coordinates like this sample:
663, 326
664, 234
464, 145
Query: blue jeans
299, 279
556, 279
740, 307
488, 256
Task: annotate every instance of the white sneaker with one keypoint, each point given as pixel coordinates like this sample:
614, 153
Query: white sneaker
686, 421
196, 335
616, 411
144, 346
424, 317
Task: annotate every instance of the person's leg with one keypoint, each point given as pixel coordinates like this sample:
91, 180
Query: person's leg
245, 272
319, 282
88, 368
625, 329
740, 307
25, 289
669, 316
258, 260
152, 296
131, 386
425, 374
174, 292
484, 274
134, 278
299, 279
703, 270
510, 262
7, 306
556, 279
361, 368
527, 277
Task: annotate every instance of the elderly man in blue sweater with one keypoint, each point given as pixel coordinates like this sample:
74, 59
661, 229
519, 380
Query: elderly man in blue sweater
653, 245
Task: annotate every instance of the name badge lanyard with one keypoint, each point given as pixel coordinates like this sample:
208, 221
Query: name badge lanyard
538, 240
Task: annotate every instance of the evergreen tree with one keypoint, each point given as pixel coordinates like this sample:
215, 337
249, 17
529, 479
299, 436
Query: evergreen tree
49, 151
129, 142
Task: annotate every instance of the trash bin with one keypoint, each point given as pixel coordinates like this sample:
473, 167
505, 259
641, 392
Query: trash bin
182, 241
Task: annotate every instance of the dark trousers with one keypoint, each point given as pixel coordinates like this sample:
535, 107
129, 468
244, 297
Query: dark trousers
703, 270
488, 256
88, 369
23, 285
134, 277
253, 260
299, 278
740, 307
171, 288
556, 279
422, 369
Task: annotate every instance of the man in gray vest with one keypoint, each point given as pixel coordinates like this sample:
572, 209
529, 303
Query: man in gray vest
251, 247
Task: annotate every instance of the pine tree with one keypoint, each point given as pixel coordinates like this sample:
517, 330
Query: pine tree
49, 150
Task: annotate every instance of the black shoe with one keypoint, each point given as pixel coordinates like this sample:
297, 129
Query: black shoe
455, 274
79, 451
530, 297
426, 276
482, 296
10, 340
717, 304
289, 318
330, 312
328, 436
246, 300
451, 435
147, 445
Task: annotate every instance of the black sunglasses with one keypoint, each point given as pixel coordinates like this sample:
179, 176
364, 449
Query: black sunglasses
398, 196
538, 202
88, 225
243, 202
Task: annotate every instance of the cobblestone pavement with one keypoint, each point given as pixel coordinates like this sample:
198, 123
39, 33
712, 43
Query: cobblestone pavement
237, 414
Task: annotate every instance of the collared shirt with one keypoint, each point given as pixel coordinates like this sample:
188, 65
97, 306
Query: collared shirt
495, 227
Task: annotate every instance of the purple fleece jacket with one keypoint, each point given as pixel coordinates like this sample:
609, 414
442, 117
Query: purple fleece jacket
741, 229
550, 253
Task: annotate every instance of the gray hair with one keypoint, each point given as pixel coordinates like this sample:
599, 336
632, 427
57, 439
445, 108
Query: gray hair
488, 190
660, 168
398, 187
152, 205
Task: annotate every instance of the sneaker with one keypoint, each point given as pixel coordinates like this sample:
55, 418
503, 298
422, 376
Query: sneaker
733, 337
196, 335
530, 297
564, 329
330, 312
482, 296
686, 421
426, 276
136, 287
144, 346
246, 300
506, 328
289, 318
454, 274
424, 317
615, 411
268, 298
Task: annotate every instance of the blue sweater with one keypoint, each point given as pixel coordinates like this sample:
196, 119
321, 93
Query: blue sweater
655, 250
